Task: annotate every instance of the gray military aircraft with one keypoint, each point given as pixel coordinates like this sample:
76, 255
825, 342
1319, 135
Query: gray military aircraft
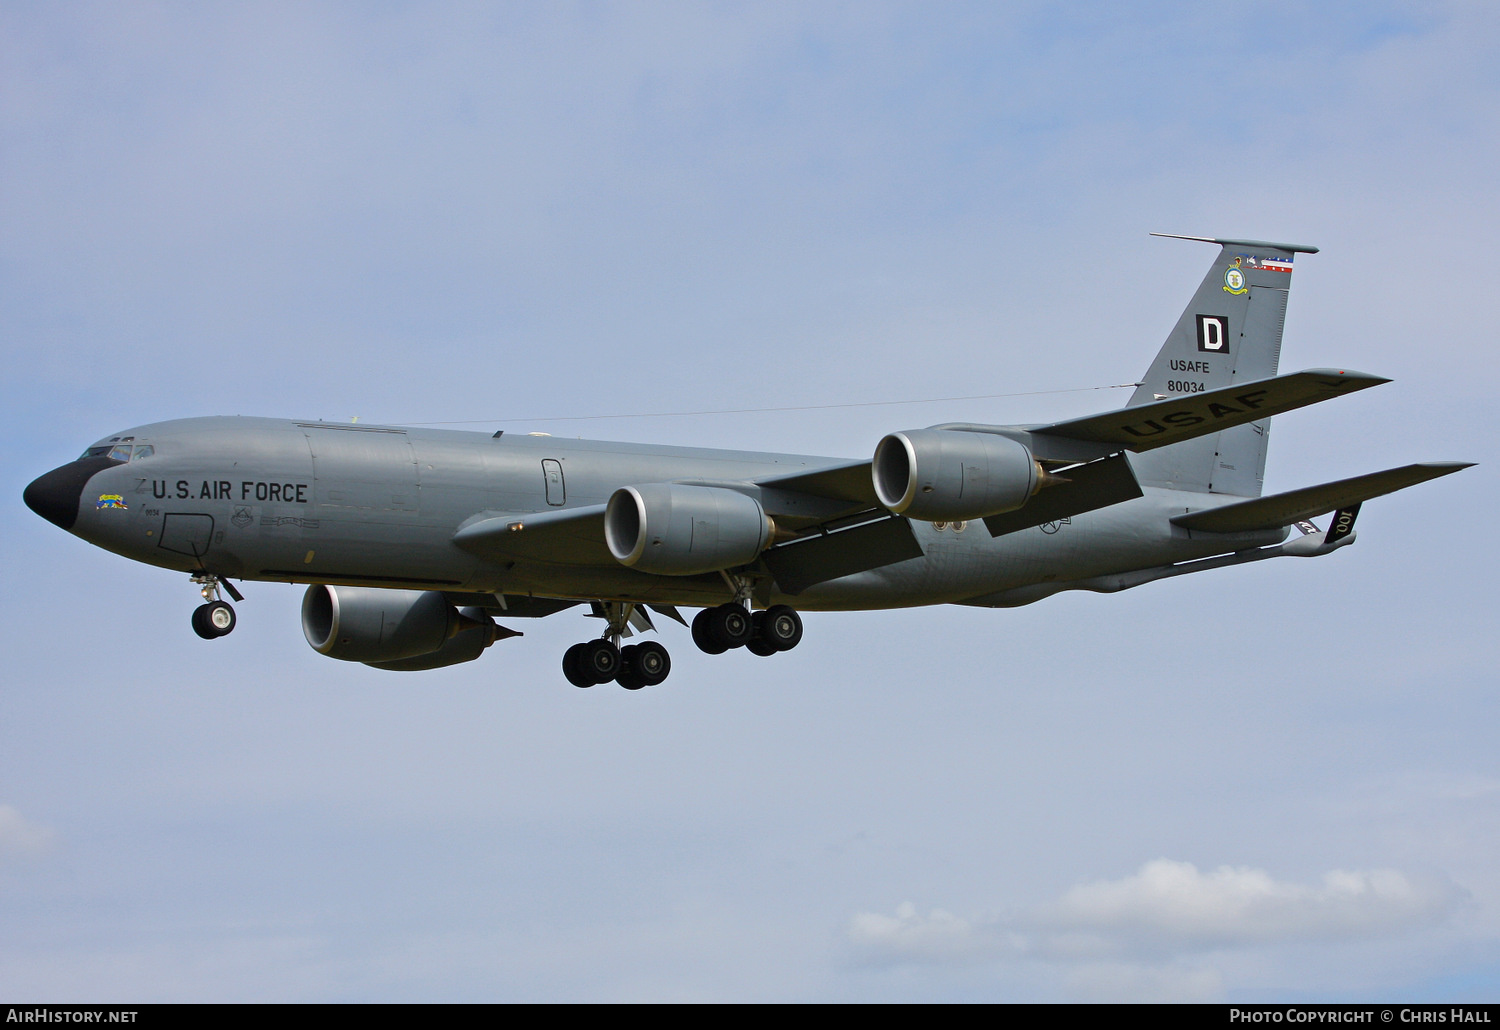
413, 541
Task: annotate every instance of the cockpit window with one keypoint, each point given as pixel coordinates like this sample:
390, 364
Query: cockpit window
120, 452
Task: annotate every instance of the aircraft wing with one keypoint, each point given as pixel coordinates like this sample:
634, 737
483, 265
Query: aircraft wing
1279, 510
850, 482
855, 533
1174, 419
569, 536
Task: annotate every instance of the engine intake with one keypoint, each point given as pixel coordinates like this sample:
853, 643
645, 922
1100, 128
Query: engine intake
403, 630
673, 530
941, 475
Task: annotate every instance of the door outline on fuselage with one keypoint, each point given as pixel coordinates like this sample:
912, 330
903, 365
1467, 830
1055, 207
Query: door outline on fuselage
557, 488
186, 529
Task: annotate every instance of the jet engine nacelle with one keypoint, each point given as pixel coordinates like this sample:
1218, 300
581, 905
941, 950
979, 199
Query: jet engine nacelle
673, 530
401, 630
945, 475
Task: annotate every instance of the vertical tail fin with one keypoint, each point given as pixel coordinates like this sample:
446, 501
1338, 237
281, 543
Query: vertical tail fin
1230, 332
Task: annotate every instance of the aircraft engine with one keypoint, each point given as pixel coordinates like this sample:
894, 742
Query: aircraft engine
400, 630
672, 530
943, 475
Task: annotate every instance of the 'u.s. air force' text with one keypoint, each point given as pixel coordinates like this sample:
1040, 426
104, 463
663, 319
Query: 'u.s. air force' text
224, 490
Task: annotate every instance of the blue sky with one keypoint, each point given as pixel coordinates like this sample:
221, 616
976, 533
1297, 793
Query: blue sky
1275, 781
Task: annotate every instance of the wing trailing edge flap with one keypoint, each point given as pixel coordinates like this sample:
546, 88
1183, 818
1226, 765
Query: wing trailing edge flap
1087, 488
1280, 510
572, 536
870, 545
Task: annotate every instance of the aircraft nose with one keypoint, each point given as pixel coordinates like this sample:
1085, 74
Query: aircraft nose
56, 495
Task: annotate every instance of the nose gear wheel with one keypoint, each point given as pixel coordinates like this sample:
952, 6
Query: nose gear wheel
214, 618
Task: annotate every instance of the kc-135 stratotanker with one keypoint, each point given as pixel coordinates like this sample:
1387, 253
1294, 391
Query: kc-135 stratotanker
414, 541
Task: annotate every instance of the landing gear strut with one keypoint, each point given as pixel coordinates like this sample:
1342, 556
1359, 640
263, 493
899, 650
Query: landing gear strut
599, 661
214, 618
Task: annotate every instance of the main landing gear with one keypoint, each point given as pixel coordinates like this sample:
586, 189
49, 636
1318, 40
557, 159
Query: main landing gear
214, 618
633, 666
731, 625
716, 630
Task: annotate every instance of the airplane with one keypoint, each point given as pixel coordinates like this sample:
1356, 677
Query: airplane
413, 542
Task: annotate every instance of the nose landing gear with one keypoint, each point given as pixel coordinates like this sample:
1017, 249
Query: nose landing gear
214, 618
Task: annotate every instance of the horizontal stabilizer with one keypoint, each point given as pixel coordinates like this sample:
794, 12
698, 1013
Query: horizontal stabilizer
872, 545
571, 536
1284, 509
1295, 248
1095, 485
1174, 419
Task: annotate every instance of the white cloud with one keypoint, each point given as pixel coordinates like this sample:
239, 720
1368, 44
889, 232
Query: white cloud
1168, 908
939, 936
1175, 906
22, 839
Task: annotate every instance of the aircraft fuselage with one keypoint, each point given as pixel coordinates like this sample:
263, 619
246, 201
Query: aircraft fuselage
317, 502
